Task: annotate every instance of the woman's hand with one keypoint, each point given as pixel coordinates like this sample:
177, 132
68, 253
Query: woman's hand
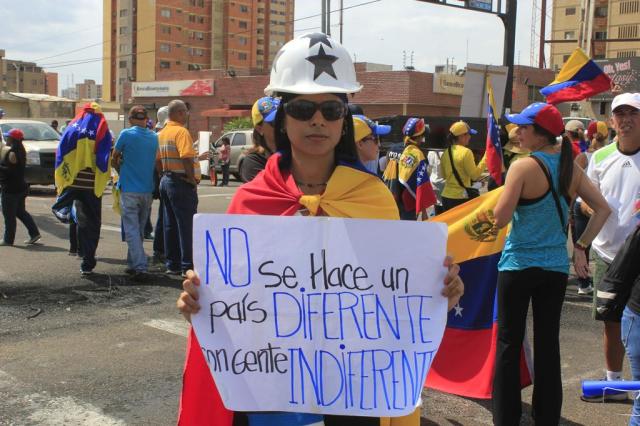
454, 287
580, 263
188, 301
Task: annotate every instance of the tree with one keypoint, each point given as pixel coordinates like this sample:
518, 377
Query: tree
238, 123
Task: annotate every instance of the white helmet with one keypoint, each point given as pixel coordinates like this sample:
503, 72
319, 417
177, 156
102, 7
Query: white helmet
310, 64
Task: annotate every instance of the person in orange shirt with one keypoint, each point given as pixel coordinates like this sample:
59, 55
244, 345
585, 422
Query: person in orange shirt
178, 189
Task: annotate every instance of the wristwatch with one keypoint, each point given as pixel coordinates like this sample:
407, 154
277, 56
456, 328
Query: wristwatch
579, 245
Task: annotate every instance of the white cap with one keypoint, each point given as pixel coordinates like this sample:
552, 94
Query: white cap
574, 126
631, 99
310, 64
163, 117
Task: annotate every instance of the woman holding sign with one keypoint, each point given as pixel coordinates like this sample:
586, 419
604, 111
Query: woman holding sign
316, 172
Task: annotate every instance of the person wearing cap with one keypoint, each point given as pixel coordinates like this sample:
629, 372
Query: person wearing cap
615, 170
13, 189
224, 157
406, 174
367, 133
315, 172
512, 150
534, 266
459, 168
178, 189
264, 140
575, 132
135, 154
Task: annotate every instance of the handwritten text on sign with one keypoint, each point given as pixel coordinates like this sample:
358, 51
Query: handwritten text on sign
319, 315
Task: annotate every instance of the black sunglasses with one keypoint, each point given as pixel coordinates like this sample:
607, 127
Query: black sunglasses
304, 110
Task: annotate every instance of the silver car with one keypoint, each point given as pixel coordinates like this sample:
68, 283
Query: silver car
40, 142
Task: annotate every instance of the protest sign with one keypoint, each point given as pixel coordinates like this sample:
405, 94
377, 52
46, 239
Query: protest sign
319, 315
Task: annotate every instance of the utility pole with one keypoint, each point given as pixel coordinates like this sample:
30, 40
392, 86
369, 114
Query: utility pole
543, 29
324, 17
341, 18
509, 21
328, 32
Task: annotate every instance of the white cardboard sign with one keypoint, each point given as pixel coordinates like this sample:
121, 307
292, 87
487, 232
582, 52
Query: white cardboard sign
319, 315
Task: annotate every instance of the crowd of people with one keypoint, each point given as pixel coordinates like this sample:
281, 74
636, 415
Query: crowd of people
317, 158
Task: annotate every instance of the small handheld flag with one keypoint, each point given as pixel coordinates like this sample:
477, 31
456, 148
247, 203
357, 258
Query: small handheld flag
493, 149
579, 78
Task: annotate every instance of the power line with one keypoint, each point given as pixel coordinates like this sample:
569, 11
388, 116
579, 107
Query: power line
90, 60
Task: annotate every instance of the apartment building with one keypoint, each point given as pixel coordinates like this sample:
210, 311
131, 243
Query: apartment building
148, 38
593, 24
20, 76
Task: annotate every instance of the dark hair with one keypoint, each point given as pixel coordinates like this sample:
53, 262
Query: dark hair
566, 159
345, 150
225, 140
451, 138
259, 143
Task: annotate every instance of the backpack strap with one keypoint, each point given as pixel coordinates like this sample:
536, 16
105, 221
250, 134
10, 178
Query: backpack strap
556, 199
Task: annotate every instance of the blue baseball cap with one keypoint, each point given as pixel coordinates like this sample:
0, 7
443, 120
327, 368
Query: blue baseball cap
544, 115
264, 110
363, 126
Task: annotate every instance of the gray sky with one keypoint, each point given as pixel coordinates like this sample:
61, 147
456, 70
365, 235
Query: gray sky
47, 31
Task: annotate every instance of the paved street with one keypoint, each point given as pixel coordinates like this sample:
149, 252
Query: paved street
106, 351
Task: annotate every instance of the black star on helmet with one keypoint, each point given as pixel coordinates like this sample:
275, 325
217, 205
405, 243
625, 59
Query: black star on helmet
322, 63
316, 38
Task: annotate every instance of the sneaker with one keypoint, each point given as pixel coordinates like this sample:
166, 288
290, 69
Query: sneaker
148, 236
610, 395
86, 272
33, 239
585, 290
173, 272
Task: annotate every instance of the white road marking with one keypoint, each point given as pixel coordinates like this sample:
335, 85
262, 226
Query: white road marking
110, 228
44, 409
177, 326
215, 195
580, 304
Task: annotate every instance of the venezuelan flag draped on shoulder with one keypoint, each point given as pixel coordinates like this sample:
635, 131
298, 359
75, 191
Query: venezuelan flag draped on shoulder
85, 143
465, 361
351, 192
579, 78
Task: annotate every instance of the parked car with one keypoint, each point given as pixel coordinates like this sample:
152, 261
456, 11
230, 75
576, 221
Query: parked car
40, 142
241, 141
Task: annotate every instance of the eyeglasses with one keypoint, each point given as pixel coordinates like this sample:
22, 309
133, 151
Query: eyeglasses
304, 110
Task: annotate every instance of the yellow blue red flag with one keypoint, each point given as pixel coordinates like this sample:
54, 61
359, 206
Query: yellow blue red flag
85, 143
465, 361
578, 79
493, 148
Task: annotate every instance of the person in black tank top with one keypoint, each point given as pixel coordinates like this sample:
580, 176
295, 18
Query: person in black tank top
13, 190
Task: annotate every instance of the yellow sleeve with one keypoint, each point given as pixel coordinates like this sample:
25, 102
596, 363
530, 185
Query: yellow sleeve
469, 165
184, 144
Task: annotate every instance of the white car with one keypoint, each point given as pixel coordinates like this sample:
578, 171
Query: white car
40, 142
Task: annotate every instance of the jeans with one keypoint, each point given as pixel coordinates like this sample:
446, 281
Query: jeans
13, 206
631, 340
88, 209
180, 201
449, 203
579, 224
546, 290
135, 208
158, 234
225, 174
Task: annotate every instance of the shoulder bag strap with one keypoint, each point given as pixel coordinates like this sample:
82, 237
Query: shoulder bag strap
453, 168
556, 199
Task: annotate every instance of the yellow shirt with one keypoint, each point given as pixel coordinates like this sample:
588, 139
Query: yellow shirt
175, 144
466, 168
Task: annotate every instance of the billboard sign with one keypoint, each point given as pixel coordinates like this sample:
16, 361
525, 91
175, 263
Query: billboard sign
474, 99
625, 75
172, 88
448, 84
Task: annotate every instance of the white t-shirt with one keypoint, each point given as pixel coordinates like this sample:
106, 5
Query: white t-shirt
618, 178
435, 173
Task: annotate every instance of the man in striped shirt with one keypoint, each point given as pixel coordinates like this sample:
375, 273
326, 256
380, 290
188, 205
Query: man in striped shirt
178, 188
